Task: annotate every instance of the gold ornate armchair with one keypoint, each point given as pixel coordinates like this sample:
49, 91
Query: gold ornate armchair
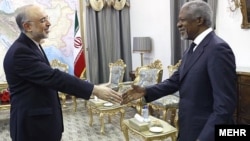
116, 75
56, 64
168, 104
144, 76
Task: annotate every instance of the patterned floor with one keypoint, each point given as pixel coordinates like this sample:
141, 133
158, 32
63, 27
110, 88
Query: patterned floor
76, 125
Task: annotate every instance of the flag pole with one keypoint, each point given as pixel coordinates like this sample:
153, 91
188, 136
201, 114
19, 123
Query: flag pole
81, 11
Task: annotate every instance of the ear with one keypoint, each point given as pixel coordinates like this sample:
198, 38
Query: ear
26, 27
200, 21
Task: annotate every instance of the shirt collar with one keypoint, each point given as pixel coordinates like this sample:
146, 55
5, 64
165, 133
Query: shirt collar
37, 44
200, 37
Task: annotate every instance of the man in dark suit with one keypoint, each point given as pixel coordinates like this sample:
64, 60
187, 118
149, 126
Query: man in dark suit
35, 107
206, 79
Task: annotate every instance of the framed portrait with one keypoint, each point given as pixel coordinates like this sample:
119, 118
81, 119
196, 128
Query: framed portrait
245, 10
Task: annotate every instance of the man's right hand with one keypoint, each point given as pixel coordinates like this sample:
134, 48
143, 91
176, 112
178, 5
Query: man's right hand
106, 93
135, 93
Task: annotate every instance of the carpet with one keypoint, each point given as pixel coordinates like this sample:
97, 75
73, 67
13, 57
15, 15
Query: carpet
76, 125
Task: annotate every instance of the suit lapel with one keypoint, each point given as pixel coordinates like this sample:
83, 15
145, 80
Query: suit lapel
195, 56
44, 56
40, 52
34, 47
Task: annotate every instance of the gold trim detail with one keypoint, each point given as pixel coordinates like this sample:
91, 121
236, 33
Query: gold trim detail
97, 5
119, 4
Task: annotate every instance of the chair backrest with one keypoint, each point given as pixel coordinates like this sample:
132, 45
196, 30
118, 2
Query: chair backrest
149, 74
116, 72
173, 68
56, 64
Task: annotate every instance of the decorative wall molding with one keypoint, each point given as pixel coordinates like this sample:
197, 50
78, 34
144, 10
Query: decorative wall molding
233, 5
98, 5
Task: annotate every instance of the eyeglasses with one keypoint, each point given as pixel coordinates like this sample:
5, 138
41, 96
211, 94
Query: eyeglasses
42, 20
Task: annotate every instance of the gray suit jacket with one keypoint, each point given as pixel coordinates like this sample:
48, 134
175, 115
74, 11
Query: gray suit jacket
207, 87
35, 107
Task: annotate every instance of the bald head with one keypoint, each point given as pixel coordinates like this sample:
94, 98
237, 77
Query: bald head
26, 13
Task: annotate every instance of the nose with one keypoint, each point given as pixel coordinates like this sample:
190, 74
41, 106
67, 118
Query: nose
178, 24
48, 23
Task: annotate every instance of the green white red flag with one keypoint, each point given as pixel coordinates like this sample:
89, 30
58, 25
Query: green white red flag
79, 57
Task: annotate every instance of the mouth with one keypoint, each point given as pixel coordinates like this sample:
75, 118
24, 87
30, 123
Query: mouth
46, 30
181, 30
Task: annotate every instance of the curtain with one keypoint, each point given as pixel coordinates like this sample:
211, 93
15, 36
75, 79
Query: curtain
108, 39
178, 46
213, 4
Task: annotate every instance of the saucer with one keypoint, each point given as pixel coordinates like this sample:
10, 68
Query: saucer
108, 104
156, 129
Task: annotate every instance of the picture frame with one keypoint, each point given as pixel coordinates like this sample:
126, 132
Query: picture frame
245, 10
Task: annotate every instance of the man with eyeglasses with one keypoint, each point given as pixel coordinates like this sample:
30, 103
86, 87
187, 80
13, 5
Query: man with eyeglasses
36, 113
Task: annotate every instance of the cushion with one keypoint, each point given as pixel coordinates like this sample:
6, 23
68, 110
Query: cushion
167, 101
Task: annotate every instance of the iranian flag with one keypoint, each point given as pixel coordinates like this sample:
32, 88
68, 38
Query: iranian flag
79, 57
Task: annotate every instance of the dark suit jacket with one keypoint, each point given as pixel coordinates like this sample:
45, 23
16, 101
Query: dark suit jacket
35, 107
207, 87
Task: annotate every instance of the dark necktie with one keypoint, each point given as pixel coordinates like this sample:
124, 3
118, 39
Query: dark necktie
189, 53
41, 49
191, 48
43, 53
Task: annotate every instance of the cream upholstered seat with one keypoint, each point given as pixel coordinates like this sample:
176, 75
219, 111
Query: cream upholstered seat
56, 64
168, 104
116, 74
144, 76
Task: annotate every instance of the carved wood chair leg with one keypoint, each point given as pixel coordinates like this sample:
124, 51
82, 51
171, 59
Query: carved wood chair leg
63, 96
164, 114
85, 103
150, 109
176, 120
173, 114
75, 103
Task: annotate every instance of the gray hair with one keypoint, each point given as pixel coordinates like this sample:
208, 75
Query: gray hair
22, 16
199, 8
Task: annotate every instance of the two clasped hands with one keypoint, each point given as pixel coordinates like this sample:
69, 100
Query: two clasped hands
112, 96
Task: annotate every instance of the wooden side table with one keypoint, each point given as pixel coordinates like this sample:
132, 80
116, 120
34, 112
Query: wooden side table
97, 106
168, 131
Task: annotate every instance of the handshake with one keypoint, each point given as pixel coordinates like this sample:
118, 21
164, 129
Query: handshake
112, 96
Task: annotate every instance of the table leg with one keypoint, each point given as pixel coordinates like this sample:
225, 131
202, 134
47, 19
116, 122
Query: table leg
75, 103
102, 123
164, 114
125, 131
109, 118
122, 111
173, 137
90, 116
